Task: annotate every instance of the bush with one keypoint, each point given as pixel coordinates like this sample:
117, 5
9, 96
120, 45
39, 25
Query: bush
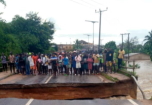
136, 66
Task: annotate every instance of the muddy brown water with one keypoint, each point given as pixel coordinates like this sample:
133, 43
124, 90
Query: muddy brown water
144, 77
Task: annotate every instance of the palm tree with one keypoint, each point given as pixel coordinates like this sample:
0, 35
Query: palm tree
3, 2
148, 39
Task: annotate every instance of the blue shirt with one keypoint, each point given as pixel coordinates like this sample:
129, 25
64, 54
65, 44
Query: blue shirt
65, 61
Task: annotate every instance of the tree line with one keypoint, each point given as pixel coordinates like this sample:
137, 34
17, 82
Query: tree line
29, 34
134, 45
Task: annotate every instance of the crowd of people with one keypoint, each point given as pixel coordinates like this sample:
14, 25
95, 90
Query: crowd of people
69, 63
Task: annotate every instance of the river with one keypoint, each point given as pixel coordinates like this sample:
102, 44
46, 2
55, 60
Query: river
144, 78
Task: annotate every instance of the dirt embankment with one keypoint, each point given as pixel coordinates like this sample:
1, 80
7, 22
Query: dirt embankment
70, 91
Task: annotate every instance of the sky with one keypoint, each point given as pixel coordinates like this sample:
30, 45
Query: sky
122, 16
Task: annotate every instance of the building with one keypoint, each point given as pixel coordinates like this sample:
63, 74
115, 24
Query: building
65, 47
86, 45
137, 56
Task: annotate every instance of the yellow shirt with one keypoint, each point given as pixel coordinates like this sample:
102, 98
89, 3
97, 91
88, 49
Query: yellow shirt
121, 53
96, 60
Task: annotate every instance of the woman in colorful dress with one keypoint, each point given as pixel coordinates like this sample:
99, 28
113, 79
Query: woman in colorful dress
90, 62
35, 58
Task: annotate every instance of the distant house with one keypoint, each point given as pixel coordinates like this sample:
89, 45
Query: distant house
137, 56
86, 45
65, 47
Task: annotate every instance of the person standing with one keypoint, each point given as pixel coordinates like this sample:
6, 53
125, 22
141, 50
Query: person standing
73, 62
39, 63
78, 64
17, 63
35, 58
65, 64
96, 63
85, 63
27, 65
12, 62
69, 65
104, 61
22, 63
60, 64
54, 64
31, 63
4, 62
44, 67
90, 60
120, 58
109, 60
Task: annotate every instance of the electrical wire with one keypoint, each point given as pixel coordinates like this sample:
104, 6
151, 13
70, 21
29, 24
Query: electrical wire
82, 4
97, 2
87, 3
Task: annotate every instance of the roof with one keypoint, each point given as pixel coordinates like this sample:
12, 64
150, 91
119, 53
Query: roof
65, 44
83, 42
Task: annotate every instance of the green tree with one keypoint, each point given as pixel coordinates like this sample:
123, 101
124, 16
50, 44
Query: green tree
34, 35
3, 2
111, 45
148, 44
28, 34
77, 45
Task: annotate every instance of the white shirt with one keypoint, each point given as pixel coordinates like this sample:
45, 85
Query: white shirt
31, 61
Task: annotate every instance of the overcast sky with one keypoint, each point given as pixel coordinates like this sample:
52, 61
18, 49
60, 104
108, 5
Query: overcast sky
123, 16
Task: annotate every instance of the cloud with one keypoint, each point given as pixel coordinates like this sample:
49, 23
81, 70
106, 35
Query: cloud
123, 16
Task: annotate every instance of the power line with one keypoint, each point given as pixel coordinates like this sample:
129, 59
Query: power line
97, 2
78, 2
82, 4
87, 2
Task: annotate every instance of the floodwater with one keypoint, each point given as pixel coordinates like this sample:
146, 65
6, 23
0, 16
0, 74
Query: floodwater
144, 78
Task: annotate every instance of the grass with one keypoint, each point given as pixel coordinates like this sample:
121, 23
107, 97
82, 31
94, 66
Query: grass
110, 77
137, 66
127, 73
151, 98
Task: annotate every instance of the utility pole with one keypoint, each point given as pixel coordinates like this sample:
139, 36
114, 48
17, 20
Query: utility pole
88, 40
128, 46
100, 11
88, 37
101, 42
93, 30
128, 43
122, 40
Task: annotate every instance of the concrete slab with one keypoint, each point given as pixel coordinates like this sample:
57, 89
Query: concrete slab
76, 79
4, 75
24, 79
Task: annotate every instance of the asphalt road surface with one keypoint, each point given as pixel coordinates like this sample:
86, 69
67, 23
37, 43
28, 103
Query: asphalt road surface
14, 101
23, 79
